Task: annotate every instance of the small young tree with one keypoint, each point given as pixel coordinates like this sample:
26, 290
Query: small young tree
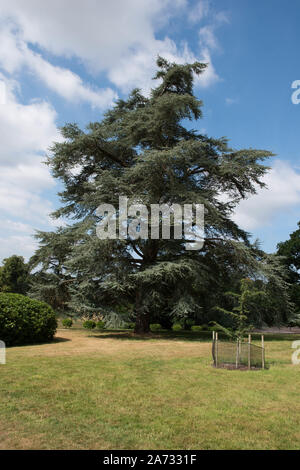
249, 296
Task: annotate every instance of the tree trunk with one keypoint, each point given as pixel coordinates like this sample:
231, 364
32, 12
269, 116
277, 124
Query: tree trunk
142, 321
142, 324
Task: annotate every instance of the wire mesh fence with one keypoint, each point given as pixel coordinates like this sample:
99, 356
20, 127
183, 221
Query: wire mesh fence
237, 354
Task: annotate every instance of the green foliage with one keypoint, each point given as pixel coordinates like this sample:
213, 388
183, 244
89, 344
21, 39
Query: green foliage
89, 324
289, 254
25, 321
290, 251
155, 327
14, 275
143, 151
129, 326
67, 322
51, 282
177, 327
189, 323
100, 325
248, 296
294, 319
196, 328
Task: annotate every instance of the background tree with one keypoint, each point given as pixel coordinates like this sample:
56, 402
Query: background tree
289, 251
14, 275
144, 150
50, 278
245, 301
257, 303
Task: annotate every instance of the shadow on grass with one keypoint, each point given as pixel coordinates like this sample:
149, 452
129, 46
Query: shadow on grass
203, 336
55, 340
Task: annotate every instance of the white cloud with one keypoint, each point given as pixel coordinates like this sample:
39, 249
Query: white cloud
207, 33
11, 225
13, 244
209, 76
27, 130
123, 45
141, 68
119, 39
199, 11
230, 101
207, 37
282, 193
20, 189
69, 85
15, 54
99, 33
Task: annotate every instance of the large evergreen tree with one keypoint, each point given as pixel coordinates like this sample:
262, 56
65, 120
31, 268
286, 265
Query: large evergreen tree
144, 149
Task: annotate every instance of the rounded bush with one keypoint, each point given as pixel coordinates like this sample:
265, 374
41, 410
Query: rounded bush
155, 327
25, 321
177, 327
197, 328
67, 322
211, 328
89, 324
129, 326
189, 324
100, 325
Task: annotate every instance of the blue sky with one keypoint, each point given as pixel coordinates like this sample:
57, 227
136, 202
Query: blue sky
67, 61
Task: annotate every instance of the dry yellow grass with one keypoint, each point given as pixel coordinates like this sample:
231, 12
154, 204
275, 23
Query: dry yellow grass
79, 342
109, 391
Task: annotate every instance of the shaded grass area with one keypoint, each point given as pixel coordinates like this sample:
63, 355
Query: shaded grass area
182, 335
111, 391
192, 336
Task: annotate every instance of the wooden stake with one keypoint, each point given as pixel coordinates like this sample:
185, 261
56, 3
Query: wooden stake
262, 351
249, 351
237, 354
216, 336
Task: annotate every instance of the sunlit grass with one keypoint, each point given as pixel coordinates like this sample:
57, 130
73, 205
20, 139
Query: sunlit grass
99, 391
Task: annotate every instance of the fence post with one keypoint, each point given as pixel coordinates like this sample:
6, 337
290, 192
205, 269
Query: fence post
237, 354
262, 351
214, 347
249, 351
216, 336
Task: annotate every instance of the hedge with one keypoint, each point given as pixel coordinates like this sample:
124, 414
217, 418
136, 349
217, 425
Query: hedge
25, 321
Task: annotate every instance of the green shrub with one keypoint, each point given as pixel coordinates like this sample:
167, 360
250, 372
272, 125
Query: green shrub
177, 327
197, 328
67, 322
155, 327
100, 325
25, 321
189, 324
212, 328
89, 324
129, 326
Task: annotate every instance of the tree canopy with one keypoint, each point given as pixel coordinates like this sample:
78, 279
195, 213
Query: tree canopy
145, 149
289, 251
14, 275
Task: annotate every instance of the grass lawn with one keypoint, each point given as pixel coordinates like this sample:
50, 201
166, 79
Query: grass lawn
110, 391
